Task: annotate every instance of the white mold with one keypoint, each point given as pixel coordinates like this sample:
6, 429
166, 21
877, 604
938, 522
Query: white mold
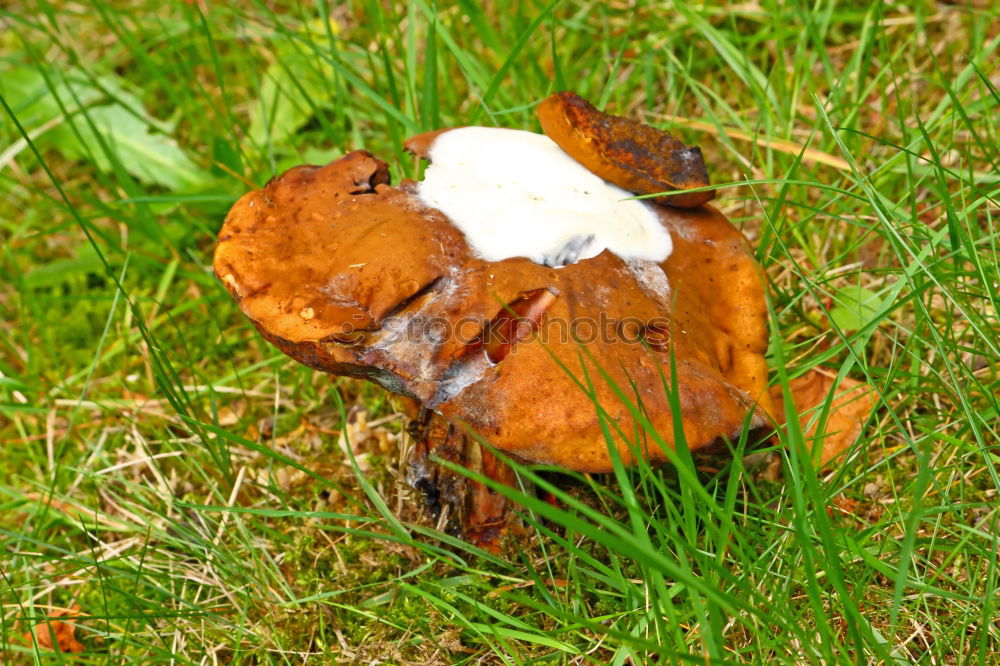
517, 194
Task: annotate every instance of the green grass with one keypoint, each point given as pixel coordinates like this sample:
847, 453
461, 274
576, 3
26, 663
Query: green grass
182, 482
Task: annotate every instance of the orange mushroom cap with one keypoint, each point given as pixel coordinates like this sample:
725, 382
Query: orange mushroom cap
352, 276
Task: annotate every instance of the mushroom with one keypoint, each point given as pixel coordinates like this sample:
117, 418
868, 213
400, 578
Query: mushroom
507, 294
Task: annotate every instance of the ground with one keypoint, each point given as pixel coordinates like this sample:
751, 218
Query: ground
188, 489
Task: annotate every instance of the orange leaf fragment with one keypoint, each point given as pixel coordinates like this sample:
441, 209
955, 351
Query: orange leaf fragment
58, 634
852, 403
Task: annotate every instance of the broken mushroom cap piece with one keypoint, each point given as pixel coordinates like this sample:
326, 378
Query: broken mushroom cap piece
352, 276
634, 156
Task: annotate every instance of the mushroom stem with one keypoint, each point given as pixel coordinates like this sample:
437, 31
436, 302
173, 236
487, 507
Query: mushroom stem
461, 506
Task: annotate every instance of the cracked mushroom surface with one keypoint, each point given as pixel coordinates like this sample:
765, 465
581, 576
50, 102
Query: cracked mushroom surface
513, 306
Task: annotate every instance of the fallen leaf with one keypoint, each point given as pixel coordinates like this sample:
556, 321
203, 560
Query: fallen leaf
139, 147
842, 505
289, 477
772, 472
286, 103
554, 582
852, 403
361, 439
354, 437
230, 415
855, 307
58, 634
